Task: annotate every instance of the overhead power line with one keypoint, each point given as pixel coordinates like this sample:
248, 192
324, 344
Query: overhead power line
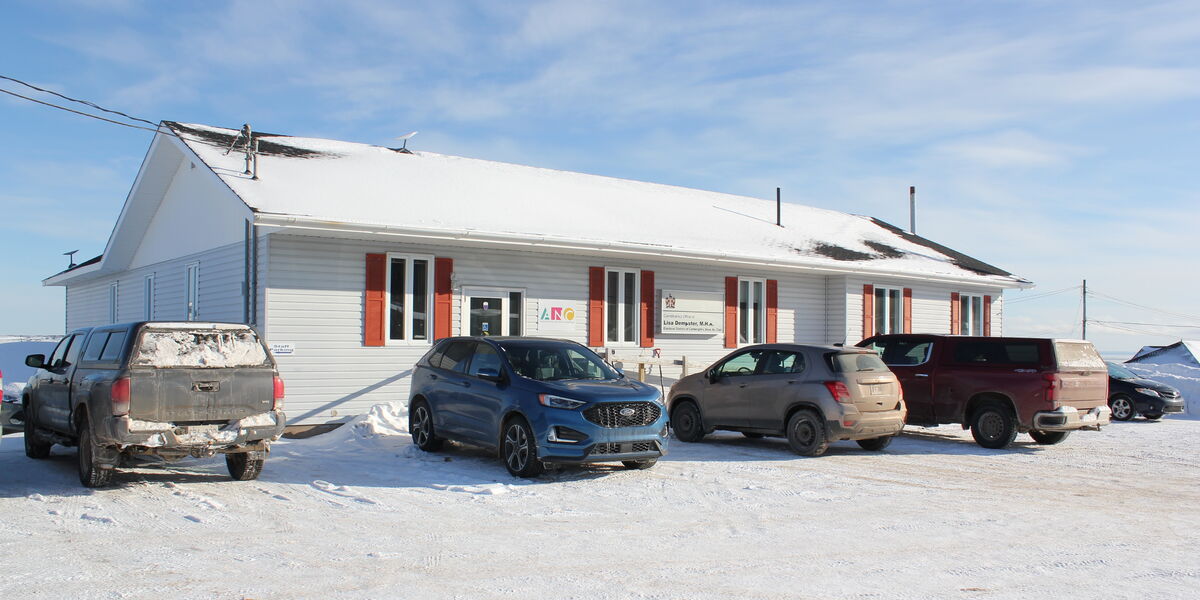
81, 113
84, 102
1148, 324
1142, 306
1042, 295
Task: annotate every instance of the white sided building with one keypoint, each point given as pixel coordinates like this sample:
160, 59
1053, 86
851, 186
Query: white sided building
351, 259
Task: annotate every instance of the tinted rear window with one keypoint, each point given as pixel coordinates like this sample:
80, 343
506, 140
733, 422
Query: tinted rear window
854, 362
997, 352
95, 346
112, 349
1078, 355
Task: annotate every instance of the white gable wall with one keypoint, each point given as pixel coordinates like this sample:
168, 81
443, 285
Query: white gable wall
197, 213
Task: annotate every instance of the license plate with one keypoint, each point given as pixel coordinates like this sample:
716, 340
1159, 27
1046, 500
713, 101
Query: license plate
202, 428
1088, 418
878, 390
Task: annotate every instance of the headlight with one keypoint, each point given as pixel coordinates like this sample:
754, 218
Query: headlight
1146, 391
559, 402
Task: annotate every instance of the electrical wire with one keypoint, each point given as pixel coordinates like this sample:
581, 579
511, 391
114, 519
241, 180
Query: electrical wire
81, 113
1148, 324
1041, 295
84, 102
1141, 306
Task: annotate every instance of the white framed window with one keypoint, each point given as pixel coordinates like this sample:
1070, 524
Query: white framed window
192, 296
889, 310
752, 310
970, 311
409, 298
112, 302
148, 298
492, 311
621, 304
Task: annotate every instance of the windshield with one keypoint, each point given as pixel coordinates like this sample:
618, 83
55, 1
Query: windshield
556, 361
1119, 372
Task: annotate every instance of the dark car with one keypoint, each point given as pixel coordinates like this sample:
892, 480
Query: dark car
812, 395
1130, 394
534, 401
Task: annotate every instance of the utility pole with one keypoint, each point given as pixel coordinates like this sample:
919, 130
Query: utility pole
1085, 309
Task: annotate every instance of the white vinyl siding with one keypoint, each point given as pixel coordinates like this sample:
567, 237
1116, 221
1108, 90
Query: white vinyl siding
930, 305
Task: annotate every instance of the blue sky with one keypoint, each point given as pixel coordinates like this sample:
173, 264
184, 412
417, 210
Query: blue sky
1055, 139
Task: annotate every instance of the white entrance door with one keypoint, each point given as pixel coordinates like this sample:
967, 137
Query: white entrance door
492, 311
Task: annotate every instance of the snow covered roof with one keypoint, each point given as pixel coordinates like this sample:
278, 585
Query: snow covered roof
1183, 351
350, 184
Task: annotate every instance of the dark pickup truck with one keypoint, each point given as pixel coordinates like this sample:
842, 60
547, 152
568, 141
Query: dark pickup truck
999, 386
152, 388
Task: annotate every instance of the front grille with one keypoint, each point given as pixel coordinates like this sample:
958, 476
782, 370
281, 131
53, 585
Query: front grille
625, 448
609, 414
1169, 394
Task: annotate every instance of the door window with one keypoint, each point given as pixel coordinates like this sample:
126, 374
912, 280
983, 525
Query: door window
745, 363
485, 357
493, 311
780, 361
60, 352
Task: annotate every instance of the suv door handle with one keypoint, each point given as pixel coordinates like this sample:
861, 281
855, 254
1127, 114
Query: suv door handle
920, 374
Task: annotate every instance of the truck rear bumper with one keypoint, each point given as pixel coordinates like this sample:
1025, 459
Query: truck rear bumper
1068, 418
125, 432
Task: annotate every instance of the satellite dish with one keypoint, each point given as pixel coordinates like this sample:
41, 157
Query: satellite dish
405, 138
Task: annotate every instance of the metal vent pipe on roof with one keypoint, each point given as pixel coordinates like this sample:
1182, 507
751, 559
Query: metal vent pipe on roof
912, 209
778, 209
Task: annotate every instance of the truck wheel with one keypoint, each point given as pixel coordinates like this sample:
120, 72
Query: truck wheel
993, 426
420, 427
639, 464
34, 446
244, 466
1048, 438
91, 474
518, 449
806, 433
1122, 407
686, 422
876, 444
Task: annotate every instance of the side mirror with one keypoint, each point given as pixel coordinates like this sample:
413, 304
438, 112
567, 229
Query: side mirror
490, 374
37, 361
712, 375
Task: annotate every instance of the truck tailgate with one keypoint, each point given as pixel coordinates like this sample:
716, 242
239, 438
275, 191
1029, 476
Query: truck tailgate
204, 394
1083, 390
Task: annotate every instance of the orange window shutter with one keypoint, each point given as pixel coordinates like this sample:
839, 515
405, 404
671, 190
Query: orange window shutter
868, 316
907, 310
443, 298
374, 300
987, 315
955, 314
647, 309
731, 302
772, 311
595, 306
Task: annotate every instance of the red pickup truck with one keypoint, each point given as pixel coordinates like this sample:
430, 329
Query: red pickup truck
999, 386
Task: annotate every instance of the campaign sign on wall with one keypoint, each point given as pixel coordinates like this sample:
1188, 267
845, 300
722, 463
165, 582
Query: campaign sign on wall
559, 317
686, 311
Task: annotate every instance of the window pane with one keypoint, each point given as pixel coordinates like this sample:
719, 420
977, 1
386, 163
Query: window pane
396, 294
455, 358
742, 364
779, 362
485, 316
896, 311
95, 345
485, 358
514, 313
116, 343
744, 312
881, 311
976, 315
630, 306
420, 302
759, 313
613, 299
75, 350
964, 315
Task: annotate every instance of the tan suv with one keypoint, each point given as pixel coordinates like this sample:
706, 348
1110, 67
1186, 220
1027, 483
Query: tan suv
813, 395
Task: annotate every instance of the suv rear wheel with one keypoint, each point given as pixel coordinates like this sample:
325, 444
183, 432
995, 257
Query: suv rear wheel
91, 474
993, 426
876, 444
806, 433
34, 446
1048, 438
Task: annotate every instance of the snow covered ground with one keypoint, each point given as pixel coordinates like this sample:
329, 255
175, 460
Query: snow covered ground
360, 513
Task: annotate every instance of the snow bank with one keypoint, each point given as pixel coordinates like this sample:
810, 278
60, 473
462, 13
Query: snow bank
203, 348
13, 350
1184, 378
382, 420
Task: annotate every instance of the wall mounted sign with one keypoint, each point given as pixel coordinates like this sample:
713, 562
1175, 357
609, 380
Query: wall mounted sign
685, 311
283, 349
562, 317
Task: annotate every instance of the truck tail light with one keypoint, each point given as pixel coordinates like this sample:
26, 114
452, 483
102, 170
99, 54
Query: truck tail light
120, 396
278, 396
840, 392
1053, 383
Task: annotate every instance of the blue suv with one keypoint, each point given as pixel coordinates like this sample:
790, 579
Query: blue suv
534, 401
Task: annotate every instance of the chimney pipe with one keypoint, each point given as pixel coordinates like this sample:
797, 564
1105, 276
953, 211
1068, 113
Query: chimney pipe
778, 209
912, 209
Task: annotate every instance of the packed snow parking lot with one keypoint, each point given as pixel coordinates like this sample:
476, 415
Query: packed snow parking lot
361, 513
